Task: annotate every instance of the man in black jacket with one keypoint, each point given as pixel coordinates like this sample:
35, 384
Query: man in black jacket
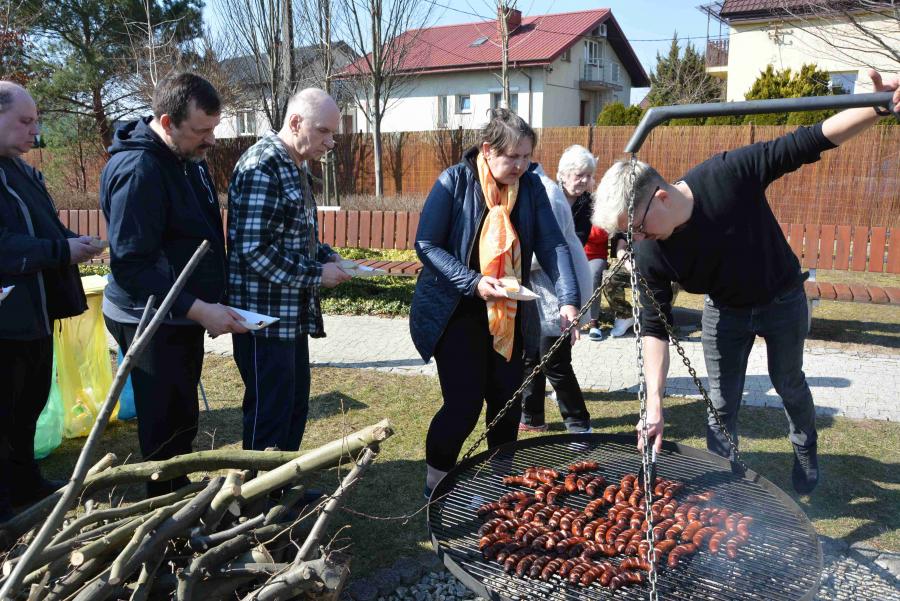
38, 256
158, 198
714, 232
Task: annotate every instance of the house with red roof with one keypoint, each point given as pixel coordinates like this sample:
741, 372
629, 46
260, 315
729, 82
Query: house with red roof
564, 68
843, 38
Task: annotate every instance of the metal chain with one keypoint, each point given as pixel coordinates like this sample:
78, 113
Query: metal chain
687, 363
646, 459
564, 336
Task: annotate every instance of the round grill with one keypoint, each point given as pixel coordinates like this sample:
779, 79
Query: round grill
782, 559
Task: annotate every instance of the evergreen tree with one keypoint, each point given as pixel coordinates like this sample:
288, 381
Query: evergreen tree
616, 113
682, 79
89, 52
809, 81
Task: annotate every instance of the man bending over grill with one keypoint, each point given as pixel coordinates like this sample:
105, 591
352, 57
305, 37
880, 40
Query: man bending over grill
713, 232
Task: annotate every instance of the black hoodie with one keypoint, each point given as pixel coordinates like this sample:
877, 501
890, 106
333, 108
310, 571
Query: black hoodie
159, 208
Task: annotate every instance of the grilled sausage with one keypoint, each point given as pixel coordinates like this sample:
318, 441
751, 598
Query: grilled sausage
583, 466
593, 549
664, 547
511, 498
680, 551
509, 549
703, 534
704, 497
577, 572
571, 482
490, 539
590, 527
592, 508
609, 494
568, 565
563, 546
578, 524
743, 527
733, 544
520, 507
555, 492
489, 526
568, 518
626, 578
521, 481
525, 563
488, 508
528, 514
538, 566
553, 566
634, 563
690, 530
594, 486
659, 530
716, 540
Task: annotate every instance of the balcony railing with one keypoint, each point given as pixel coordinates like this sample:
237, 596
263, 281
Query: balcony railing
717, 53
600, 72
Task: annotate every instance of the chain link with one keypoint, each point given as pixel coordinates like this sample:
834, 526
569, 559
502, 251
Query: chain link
687, 363
647, 460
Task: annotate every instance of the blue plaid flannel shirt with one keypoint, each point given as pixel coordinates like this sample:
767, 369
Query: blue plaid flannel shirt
270, 223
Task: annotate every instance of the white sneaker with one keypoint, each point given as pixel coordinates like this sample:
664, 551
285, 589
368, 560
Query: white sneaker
621, 326
595, 334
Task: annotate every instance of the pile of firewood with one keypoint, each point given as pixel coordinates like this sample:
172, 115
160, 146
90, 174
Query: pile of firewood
247, 534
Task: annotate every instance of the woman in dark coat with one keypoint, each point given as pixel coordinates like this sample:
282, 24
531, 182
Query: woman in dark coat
481, 223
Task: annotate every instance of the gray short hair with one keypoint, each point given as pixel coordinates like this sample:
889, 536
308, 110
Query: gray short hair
575, 158
617, 188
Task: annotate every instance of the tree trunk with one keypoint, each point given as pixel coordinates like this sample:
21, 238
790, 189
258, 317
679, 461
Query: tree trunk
100, 119
376, 144
504, 55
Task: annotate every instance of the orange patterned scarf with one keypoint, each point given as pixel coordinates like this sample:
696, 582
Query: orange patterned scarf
498, 249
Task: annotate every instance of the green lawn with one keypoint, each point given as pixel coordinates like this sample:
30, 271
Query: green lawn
857, 501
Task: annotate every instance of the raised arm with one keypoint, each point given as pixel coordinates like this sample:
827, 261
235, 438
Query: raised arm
846, 124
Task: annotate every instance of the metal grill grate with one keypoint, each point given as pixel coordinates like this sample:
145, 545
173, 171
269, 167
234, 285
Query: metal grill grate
782, 560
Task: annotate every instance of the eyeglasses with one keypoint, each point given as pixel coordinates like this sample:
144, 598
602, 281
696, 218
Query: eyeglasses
640, 229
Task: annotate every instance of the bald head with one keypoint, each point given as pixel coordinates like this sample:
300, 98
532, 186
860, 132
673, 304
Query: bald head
312, 119
12, 93
18, 120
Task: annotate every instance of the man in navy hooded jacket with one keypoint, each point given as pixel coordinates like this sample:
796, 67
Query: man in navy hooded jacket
158, 198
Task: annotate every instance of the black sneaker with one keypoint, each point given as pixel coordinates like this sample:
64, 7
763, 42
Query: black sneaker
805, 474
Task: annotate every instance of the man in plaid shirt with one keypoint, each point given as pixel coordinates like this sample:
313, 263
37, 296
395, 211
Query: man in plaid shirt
276, 265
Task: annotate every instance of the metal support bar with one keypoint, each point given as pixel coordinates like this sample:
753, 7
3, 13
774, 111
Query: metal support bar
660, 114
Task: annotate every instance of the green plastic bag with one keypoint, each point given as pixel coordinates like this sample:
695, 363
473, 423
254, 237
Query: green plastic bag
50, 423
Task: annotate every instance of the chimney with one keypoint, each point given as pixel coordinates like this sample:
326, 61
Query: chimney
513, 18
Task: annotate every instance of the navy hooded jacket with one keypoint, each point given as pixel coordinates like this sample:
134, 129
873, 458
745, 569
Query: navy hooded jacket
160, 208
449, 228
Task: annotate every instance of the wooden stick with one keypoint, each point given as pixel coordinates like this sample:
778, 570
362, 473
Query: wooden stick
133, 556
201, 543
225, 497
126, 510
105, 462
325, 572
144, 583
323, 457
334, 503
82, 465
291, 471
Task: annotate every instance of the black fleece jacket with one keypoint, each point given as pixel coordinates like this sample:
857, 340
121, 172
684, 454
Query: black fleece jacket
160, 208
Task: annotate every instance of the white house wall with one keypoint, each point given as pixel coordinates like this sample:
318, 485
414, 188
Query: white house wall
563, 96
417, 110
754, 45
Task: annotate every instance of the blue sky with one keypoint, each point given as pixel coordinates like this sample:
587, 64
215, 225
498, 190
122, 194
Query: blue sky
648, 24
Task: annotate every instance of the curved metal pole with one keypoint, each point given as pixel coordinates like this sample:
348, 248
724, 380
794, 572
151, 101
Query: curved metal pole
660, 114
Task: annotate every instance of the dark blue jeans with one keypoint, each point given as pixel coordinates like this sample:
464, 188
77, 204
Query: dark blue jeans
728, 335
276, 390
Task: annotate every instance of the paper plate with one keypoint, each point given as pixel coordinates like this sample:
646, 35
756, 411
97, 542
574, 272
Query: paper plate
360, 271
4, 292
517, 291
254, 321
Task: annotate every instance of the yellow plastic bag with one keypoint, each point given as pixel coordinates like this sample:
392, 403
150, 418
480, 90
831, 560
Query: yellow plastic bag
83, 362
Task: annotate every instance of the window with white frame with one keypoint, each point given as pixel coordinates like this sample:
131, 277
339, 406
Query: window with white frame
614, 71
246, 123
842, 83
593, 52
463, 103
443, 115
513, 101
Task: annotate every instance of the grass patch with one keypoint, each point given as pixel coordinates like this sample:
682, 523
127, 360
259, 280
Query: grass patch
857, 500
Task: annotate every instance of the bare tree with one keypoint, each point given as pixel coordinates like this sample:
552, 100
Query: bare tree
262, 35
13, 24
864, 32
383, 32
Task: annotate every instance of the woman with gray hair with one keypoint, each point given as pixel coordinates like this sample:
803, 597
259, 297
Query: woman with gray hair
575, 176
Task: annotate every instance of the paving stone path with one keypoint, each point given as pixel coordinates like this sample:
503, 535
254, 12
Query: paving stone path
847, 382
